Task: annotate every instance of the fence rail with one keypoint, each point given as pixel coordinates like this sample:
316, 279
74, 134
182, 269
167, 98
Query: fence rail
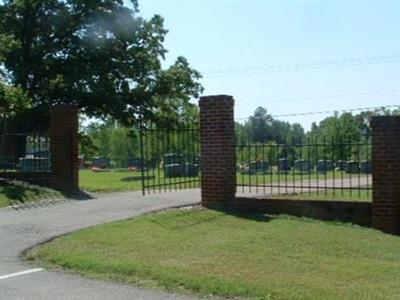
315, 166
24, 145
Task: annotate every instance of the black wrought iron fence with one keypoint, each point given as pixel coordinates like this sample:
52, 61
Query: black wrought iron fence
170, 157
24, 146
25, 152
314, 166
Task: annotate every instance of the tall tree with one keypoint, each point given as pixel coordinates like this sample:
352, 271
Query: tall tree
99, 55
259, 125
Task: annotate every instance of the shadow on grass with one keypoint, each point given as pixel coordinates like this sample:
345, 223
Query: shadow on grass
78, 195
253, 216
19, 193
23, 192
186, 218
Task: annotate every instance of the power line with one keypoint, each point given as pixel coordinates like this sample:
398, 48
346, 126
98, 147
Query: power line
367, 93
246, 2
331, 111
351, 61
305, 66
335, 96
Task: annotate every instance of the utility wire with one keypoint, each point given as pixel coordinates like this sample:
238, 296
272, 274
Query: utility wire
327, 97
246, 2
304, 66
331, 111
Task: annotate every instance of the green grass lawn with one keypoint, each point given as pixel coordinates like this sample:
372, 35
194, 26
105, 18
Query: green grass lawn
109, 181
17, 193
252, 256
124, 180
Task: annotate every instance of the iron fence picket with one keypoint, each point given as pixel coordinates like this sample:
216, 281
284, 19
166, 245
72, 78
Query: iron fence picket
170, 157
310, 172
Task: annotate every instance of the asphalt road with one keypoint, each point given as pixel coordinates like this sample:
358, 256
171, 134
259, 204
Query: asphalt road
24, 228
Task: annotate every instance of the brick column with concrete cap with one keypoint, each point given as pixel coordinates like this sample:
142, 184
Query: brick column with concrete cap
386, 173
218, 155
64, 149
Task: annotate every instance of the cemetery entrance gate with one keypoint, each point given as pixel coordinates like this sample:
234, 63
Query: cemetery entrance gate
170, 157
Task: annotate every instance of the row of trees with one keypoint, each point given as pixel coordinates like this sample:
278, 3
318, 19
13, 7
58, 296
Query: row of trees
261, 127
339, 137
120, 143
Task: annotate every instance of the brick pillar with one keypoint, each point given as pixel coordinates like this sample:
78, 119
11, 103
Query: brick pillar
218, 157
64, 147
386, 173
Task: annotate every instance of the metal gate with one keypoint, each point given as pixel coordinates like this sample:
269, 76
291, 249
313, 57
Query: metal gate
170, 157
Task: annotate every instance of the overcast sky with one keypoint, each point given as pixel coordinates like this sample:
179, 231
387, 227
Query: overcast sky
288, 56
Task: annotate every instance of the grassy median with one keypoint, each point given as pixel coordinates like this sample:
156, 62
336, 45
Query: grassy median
14, 193
252, 256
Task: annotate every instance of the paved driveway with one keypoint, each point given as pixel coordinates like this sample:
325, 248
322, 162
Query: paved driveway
21, 229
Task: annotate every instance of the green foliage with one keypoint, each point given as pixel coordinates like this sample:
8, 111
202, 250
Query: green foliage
262, 128
112, 139
342, 127
259, 125
123, 145
98, 55
267, 135
338, 137
347, 136
12, 100
109, 139
258, 152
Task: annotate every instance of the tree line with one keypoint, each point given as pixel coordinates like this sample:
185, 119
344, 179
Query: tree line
338, 137
120, 143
